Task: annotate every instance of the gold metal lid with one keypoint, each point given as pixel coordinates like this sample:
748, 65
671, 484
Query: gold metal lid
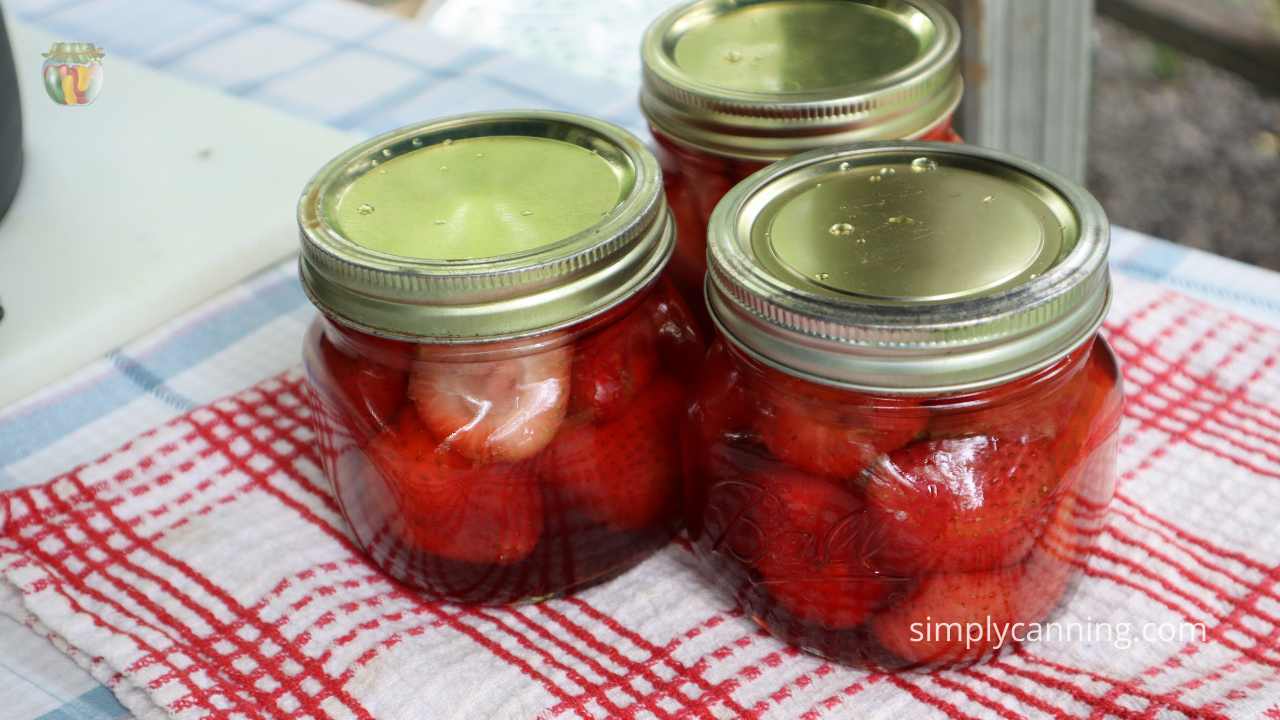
74, 52
765, 79
909, 268
483, 227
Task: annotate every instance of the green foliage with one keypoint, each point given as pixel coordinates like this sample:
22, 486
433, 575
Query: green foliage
1166, 62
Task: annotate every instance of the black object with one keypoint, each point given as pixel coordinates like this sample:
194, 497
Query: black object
10, 124
10, 127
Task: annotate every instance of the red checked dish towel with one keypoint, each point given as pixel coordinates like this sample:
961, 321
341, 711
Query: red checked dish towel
204, 571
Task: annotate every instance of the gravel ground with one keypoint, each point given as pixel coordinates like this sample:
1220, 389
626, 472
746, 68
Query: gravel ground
1184, 151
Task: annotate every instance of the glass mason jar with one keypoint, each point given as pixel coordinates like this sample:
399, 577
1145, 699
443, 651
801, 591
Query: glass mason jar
730, 86
499, 364
908, 418
73, 73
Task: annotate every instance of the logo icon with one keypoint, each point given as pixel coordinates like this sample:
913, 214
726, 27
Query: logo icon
73, 73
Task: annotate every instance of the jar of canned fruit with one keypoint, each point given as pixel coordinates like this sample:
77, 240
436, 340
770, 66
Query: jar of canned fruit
906, 427
499, 363
730, 86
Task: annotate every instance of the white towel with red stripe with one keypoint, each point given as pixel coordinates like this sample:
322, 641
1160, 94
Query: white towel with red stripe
203, 571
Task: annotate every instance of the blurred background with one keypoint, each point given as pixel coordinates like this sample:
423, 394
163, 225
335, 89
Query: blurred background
1183, 148
1179, 122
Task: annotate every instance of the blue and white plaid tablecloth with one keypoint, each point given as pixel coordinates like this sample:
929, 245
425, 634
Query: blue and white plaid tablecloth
362, 70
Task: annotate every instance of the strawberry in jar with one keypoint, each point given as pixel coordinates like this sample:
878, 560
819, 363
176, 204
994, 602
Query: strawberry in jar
907, 419
500, 363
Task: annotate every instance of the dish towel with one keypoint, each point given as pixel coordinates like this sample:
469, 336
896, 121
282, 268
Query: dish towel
203, 571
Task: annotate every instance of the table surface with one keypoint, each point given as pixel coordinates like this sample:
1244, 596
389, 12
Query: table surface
348, 67
233, 158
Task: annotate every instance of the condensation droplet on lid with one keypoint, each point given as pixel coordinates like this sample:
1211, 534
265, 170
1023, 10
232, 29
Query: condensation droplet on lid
923, 165
365, 209
901, 515
823, 276
1034, 276
862, 241
386, 152
888, 171
444, 168
988, 199
382, 172
874, 178
901, 220
844, 167
526, 213
448, 141
479, 155
841, 229
416, 142
733, 56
